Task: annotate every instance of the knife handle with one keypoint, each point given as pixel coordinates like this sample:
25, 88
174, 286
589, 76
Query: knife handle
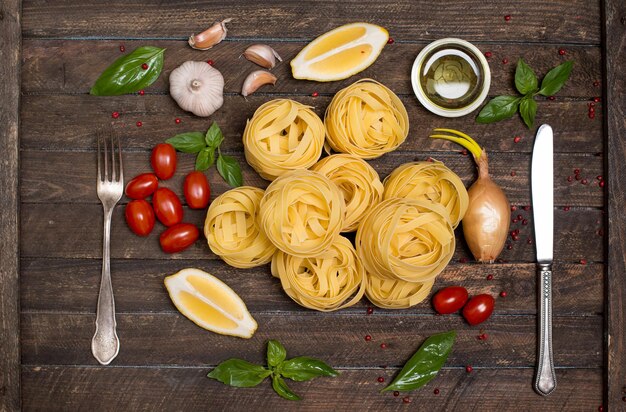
545, 381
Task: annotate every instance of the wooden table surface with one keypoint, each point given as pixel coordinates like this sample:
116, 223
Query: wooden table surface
51, 234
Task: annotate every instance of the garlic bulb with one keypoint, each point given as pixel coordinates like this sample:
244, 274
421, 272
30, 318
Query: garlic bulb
197, 87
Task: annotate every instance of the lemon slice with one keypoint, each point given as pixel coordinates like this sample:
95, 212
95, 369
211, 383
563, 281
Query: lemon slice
210, 303
340, 53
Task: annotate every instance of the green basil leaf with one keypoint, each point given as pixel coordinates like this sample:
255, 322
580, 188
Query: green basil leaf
425, 363
126, 74
556, 78
528, 110
525, 78
190, 142
229, 169
239, 373
498, 108
205, 159
276, 353
282, 389
214, 136
304, 368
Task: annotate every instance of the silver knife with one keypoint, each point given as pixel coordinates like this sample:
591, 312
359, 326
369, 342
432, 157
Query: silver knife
542, 180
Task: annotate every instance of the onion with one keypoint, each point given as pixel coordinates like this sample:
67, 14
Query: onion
486, 222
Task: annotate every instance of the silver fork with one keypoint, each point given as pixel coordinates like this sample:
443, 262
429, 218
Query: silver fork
105, 344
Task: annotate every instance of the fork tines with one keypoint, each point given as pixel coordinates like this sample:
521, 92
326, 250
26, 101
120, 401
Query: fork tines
116, 170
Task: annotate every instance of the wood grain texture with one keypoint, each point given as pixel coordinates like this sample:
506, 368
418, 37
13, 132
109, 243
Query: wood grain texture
615, 61
67, 66
172, 339
68, 122
10, 49
188, 389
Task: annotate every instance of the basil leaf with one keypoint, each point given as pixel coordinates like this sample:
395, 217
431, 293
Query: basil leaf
556, 78
498, 108
191, 142
214, 136
282, 389
126, 74
239, 373
205, 159
424, 364
525, 78
528, 110
229, 169
304, 368
276, 353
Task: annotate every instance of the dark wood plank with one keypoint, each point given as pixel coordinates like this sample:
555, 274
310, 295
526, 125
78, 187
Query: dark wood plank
72, 286
10, 51
62, 231
146, 389
560, 21
171, 339
615, 56
74, 173
68, 122
70, 66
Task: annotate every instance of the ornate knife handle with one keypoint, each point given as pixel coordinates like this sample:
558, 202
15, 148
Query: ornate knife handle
545, 381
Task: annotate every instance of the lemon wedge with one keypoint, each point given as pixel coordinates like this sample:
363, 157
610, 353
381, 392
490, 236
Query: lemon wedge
210, 303
340, 53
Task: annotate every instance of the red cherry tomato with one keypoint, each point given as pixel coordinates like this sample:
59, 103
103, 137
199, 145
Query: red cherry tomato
142, 186
167, 206
139, 217
450, 299
196, 189
478, 309
163, 160
178, 237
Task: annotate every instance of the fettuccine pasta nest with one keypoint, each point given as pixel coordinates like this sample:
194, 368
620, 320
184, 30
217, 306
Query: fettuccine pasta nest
283, 135
431, 181
366, 119
302, 213
406, 239
333, 281
232, 230
357, 180
395, 294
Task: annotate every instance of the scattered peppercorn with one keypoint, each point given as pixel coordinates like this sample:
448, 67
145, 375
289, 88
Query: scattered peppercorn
551, 98
436, 391
584, 181
562, 52
513, 208
566, 208
596, 84
505, 61
139, 124
529, 241
396, 393
517, 139
576, 171
526, 208
469, 369
141, 92
383, 346
177, 120
115, 115
601, 184
507, 17
210, 62
513, 173
315, 94
570, 178
596, 99
509, 247
368, 338
464, 152
583, 261
488, 54
463, 260
391, 41
144, 66
525, 222
489, 277
370, 310
406, 399
503, 294
122, 48
381, 379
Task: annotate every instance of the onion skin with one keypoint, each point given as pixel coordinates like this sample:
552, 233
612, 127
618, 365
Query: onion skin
486, 222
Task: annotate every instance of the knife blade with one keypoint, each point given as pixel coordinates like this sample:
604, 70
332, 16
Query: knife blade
542, 184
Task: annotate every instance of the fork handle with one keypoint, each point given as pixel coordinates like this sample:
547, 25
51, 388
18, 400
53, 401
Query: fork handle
105, 344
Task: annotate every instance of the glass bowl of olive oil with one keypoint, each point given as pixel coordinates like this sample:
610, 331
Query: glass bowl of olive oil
451, 77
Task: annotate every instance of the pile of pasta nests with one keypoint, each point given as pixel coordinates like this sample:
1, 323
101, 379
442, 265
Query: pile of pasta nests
404, 225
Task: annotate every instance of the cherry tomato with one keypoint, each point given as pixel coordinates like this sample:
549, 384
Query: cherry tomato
167, 206
450, 299
196, 189
139, 217
163, 160
142, 186
478, 309
178, 237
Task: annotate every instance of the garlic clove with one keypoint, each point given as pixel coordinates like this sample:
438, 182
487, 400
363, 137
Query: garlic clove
210, 37
255, 80
263, 55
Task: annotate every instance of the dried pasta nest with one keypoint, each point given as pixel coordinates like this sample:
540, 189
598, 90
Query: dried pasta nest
357, 180
395, 294
232, 230
283, 135
431, 181
366, 119
332, 281
302, 213
406, 239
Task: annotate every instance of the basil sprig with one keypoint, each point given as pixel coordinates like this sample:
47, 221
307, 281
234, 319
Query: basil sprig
425, 363
243, 374
527, 84
127, 74
205, 145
